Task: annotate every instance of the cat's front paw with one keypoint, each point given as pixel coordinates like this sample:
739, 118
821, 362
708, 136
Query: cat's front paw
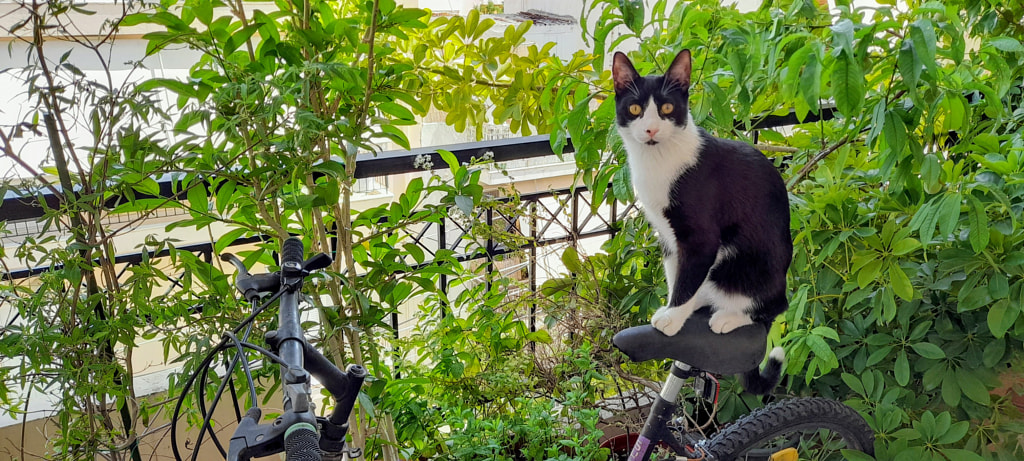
723, 321
669, 320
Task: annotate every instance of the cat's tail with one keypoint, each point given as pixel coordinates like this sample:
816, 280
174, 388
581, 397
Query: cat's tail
761, 382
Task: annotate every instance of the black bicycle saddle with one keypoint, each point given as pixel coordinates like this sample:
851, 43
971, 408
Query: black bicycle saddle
696, 345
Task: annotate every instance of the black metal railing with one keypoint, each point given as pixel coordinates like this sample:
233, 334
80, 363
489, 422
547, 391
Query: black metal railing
23, 211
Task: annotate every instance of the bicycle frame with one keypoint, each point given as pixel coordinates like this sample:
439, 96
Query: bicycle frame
662, 410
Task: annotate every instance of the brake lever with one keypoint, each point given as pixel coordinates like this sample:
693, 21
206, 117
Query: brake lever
251, 285
228, 257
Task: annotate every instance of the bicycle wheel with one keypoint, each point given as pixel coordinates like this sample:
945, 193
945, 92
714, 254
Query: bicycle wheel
808, 428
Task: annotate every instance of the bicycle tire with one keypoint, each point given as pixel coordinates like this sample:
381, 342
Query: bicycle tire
791, 416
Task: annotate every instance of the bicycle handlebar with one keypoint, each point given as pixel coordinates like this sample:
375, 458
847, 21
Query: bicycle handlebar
291, 254
298, 431
301, 443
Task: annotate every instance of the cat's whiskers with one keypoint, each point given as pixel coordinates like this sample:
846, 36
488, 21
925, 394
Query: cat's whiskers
672, 84
634, 88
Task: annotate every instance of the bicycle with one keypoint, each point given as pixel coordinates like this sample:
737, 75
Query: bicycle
772, 433
786, 430
297, 432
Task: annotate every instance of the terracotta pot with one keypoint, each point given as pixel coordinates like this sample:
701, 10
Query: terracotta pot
1012, 386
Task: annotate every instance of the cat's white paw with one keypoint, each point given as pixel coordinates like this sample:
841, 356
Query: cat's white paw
669, 320
725, 321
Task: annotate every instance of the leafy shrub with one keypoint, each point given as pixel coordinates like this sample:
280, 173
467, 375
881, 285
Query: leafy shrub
905, 172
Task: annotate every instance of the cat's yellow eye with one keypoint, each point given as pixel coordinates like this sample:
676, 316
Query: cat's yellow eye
667, 108
635, 109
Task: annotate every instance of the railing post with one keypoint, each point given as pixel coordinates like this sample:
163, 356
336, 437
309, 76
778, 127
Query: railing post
533, 266
490, 247
442, 244
574, 230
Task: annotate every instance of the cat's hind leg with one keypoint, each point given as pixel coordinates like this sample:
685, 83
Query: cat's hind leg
729, 310
725, 321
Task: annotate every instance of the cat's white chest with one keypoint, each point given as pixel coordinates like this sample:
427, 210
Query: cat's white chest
652, 186
655, 168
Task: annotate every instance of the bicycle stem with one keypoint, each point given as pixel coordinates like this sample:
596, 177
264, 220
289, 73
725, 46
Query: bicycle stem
297, 430
291, 340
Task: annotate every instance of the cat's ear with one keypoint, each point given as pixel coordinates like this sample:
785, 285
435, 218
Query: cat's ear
623, 72
680, 69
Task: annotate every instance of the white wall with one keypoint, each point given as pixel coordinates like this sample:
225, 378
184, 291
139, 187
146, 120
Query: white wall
460, 6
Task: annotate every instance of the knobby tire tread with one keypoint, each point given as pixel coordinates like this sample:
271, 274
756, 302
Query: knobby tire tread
789, 415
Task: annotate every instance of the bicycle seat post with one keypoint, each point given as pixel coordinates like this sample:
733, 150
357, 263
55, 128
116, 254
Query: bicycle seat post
661, 413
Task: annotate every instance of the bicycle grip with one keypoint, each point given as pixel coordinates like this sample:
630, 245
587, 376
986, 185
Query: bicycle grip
301, 443
291, 251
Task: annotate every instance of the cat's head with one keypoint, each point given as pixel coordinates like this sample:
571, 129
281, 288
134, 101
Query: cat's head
651, 109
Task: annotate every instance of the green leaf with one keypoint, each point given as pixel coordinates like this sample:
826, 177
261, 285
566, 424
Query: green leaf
578, 120
415, 251
900, 282
948, 214
998, 286
878, 355
147, 186
994, 352
951, 389
955, 432
869, 273
396, 110
931, 173
197, 199
203, 10
1008, 44
878, 122
856, 455
236, 39
465, 204
922, 33
847, 84
901, 369
572, 262
909, 65
895, 133
621, 187
810, 81
633, 14
842, 36
228, 239
978, 224
956, 454
972, 387
905, 246
449, 158
366, 404
395, 134
854, 383
133, 19
1001, 316
928, 351
181, 88
540, 336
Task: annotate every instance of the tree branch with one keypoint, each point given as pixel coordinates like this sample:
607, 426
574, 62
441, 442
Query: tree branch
814, 162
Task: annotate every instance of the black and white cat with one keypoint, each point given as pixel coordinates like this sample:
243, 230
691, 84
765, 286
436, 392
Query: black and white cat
719, 207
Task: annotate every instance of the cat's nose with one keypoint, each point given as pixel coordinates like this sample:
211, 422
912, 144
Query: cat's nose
652, 131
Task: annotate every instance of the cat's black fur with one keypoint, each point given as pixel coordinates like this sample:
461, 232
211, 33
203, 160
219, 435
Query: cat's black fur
719, 206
